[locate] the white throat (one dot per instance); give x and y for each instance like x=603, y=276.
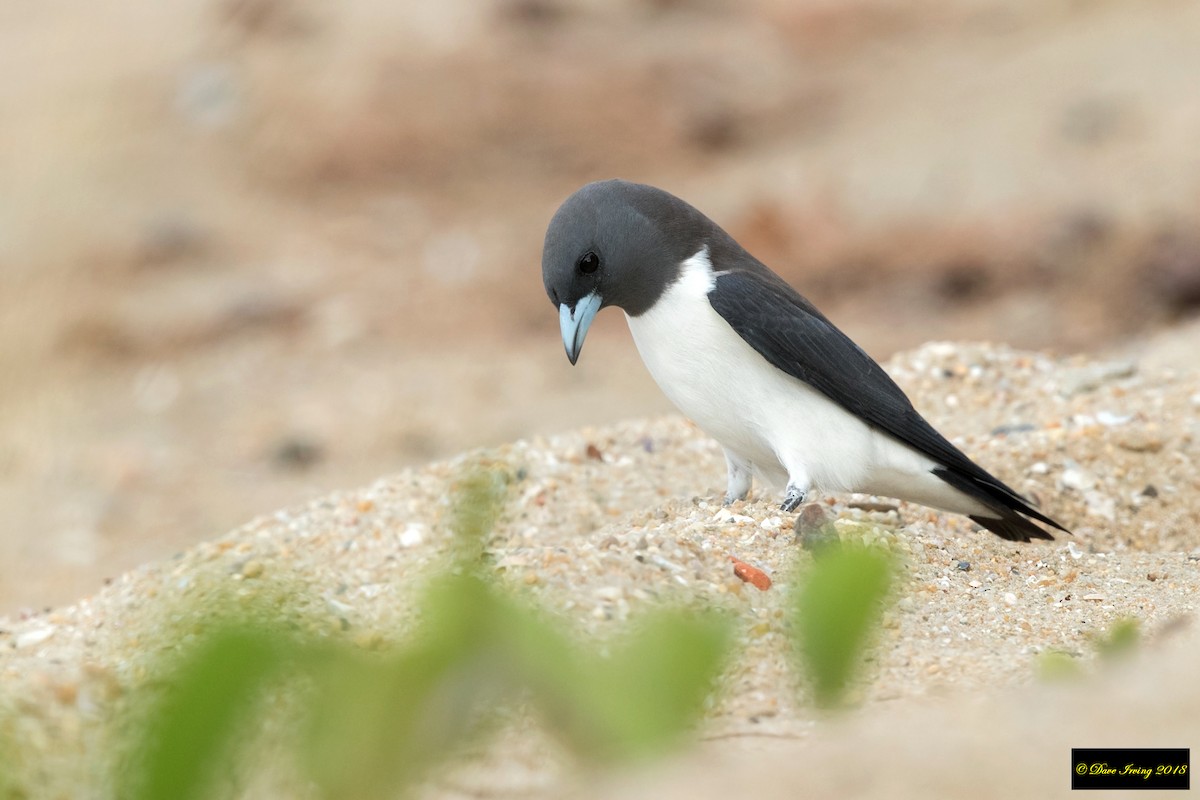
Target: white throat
x=696, y=277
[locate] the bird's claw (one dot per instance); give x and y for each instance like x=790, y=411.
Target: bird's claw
x=793, y=498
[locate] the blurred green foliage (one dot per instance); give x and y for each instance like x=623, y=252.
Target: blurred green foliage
x=1057, y=665
x=377, y=723
x=7, y=787
x=839, y=605
x=1119, y=640
x=367, y=724
x=374, y=724
x=189, y=734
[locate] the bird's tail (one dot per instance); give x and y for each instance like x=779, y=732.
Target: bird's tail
x=1013, y=517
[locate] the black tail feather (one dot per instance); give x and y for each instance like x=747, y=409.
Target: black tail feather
x=1011, y=509
x=1013, y=527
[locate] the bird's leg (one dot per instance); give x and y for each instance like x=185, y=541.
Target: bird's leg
x=740, y=477
x=793, y=497
x=797, y=489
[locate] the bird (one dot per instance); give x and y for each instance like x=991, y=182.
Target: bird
x=789, y=397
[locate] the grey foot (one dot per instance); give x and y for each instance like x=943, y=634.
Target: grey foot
x=793, y=498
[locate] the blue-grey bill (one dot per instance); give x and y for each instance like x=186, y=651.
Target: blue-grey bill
x=575, y=323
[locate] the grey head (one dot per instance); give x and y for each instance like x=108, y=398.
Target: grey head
x=616, y=243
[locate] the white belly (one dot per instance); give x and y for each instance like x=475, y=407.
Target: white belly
x=777, y=423
x=786, y=429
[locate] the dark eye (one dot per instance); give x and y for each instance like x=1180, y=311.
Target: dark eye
x=589, y=262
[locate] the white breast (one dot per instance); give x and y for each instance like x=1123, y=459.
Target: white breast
x=784, y=427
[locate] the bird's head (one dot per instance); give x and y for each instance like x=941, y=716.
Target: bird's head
x=614, y=243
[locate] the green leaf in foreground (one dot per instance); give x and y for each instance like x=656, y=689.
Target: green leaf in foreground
x=376, y=727
x=189, y=731
x=641, y=699
x=1120, y=640
x=646, y=695
x=478, y=500
x=8, y=784
x=838, y=607
x=1056, y=665
x=381, y=724
x=376, y=724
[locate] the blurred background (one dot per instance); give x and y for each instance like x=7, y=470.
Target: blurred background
x=255, y=250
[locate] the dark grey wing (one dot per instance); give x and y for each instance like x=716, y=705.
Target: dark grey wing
x=795, y=337
x=792, y=335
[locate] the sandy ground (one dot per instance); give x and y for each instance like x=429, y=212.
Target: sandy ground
x=256, y=250
x=602, y=521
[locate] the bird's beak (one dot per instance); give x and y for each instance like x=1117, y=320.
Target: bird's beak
x=575, y=323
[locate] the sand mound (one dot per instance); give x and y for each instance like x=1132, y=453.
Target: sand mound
x=603, y=522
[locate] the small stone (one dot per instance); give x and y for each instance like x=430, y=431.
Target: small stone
x=1111, y=420
x=751, y=574
x=34, y=636
x=1093, y=376
x=1074, y=551
x=871, y=505
x=815, y=532
x=414, y=534
x=965, y=566
x=609, y=593
x=338, y=607
x=1011, y=428
x=1140, y=440
x=1010, y=599
x=1150, y=491
x=1094, y=597
x=1077, y=479
x=252, y=569
x=1100, y=505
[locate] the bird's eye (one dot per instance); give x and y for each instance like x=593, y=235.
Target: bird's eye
x=589, y=262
